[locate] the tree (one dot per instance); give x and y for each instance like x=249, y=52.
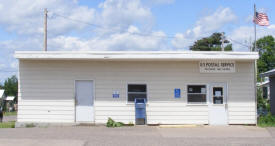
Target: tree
x=11, y=87
x=211, y=43
x=266, y=48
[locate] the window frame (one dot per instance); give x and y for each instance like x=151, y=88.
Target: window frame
x=206, y=94
x=127, y=93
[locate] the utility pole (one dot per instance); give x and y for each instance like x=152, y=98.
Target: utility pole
x=45, y=28
x=222, y=41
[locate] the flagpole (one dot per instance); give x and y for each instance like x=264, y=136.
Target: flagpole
x=255, y=67
x=255, y=48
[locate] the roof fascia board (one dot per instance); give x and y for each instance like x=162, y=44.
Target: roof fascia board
x=125, y=55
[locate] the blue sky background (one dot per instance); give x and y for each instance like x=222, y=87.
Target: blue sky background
x=139, y=25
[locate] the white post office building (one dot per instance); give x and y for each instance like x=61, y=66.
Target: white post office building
x=215, y=88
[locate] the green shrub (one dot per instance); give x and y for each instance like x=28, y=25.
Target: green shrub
x=130, y=124
x=112, y=123
x=30, y=125
x=263, y=105
x=267, y=120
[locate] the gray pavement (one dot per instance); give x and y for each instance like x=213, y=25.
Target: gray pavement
x=9, y=118
x=139, y=135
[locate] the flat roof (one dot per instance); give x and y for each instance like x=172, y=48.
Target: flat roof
x=263, y=83
x=135, y=55
x=268, y=73
x=10, y=98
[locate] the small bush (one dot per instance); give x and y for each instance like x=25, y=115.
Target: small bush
x=112, y=123
x=263, y=105
x=131, y=124
x=267, y=120
x=31, y=125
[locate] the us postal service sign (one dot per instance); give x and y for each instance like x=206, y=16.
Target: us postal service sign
x=217, y=66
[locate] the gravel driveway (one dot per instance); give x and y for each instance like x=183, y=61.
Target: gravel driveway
x=139, y=135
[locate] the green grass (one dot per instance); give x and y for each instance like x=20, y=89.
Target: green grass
x=266, y=124
x=10, y=113
x=266, y=121
x=7, y=124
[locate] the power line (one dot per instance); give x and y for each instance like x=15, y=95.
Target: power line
x=80, y=21
x=98, y=26
x=239, y=43
x=135, y=33
x=7, y=71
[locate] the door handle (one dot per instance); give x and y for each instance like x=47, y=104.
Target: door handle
x=76, y=102
x=226, y=106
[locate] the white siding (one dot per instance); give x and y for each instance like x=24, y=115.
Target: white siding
x=176, y=113
x=119, y=111
x=242, y=113
x=46, y=91
x=157, y=113
x=45, y=111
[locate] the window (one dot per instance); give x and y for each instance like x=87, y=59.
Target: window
x=265, y=92
x=196, y=94
x=217, y=95
x=136, y=91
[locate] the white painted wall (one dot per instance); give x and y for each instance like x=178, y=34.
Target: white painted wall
x=46, y=91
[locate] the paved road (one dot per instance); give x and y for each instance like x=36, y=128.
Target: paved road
x=139, y=135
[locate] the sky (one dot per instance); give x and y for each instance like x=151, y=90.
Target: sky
x=139, y=25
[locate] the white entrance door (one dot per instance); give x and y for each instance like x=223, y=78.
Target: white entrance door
x=84, y=101
x=218, y=104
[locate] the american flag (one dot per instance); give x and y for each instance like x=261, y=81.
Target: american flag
x=261, y=19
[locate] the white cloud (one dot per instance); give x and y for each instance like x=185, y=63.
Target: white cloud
x=181, y=42
x=119, y=20
x=213, y=22
x=249, y=19
x=2, y=66
x=157, y=2
x=244, y=34
x=204, y=27
x=14, y=64
x=26, y=16
x=68, y=43
x=120, y=14
x=130, y=40
x=113, y=17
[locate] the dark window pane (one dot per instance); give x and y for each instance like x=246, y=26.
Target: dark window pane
x=197, y=98
x=218, y=100
x=217, y=91
x=265, y=92
x=132, y=96
x=136, y=88
x=196, y=88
